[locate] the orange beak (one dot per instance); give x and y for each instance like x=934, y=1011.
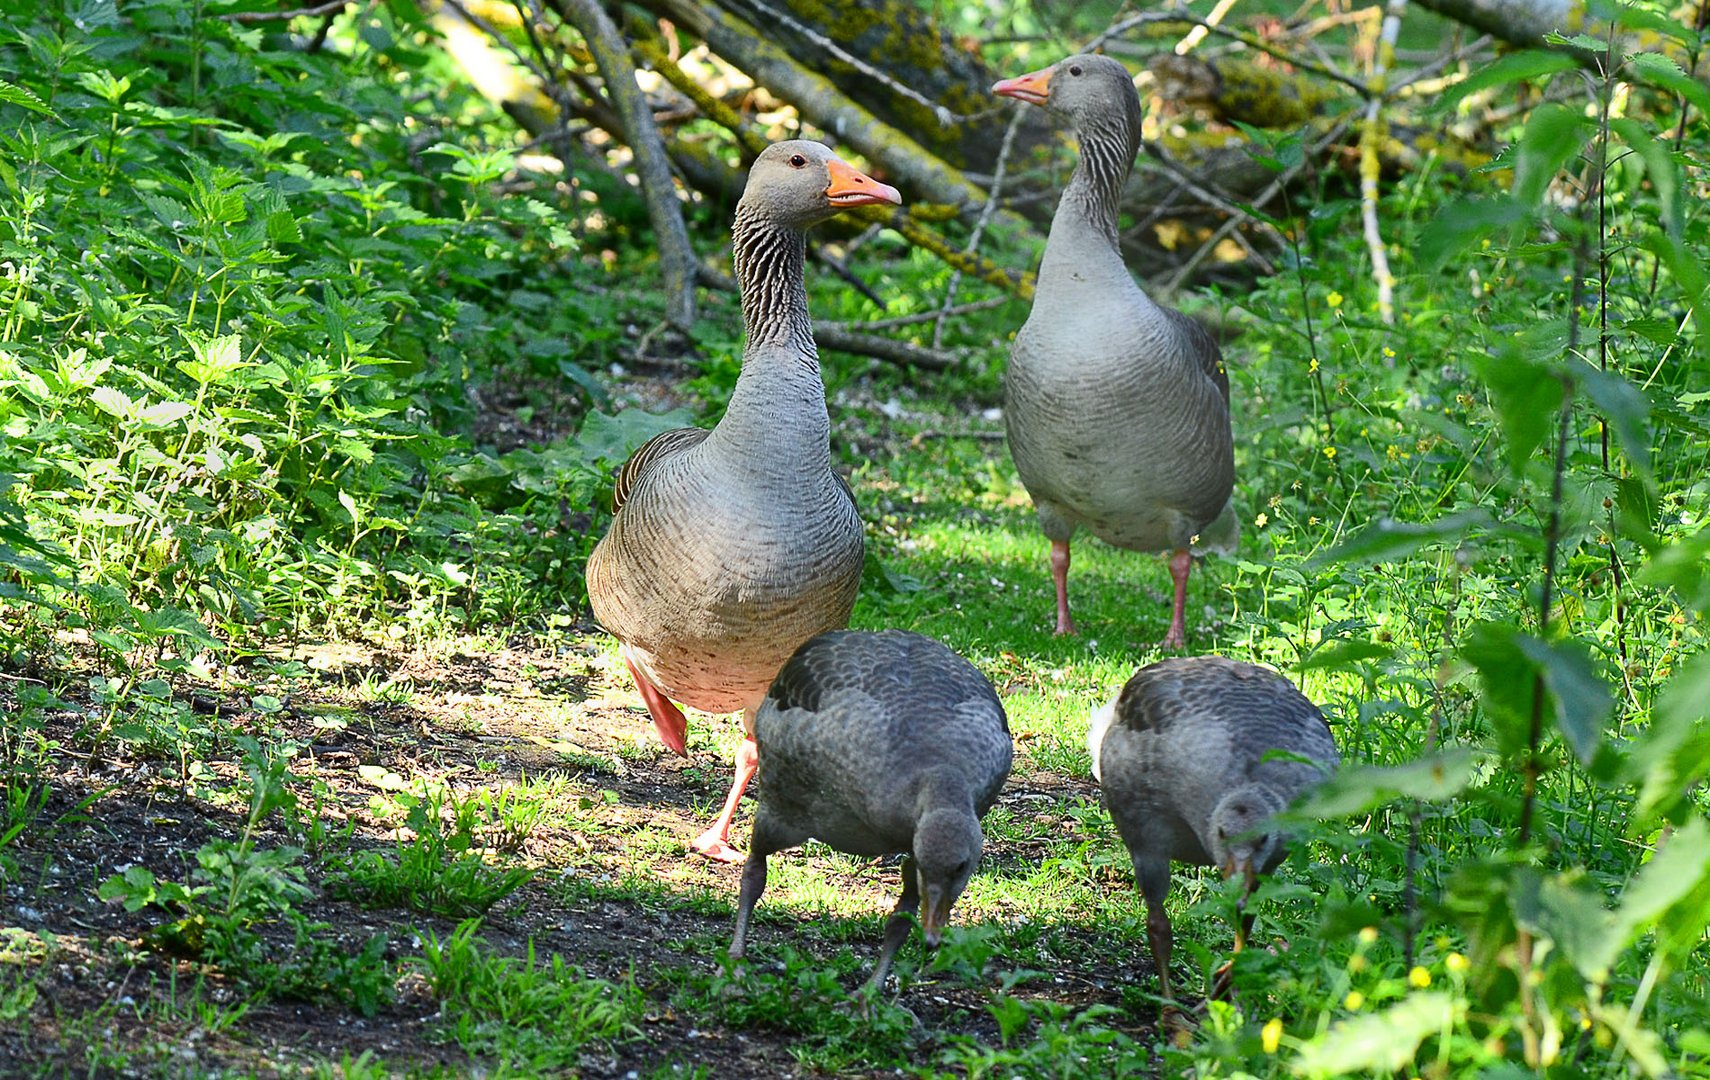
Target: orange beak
x=1034, y=87
x=852, y=187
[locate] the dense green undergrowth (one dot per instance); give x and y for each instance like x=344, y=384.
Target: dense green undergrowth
x=246, y=288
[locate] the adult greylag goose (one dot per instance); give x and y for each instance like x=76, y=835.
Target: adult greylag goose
x=1117, y=408
x=879, y=743
x=728, y=548
x=1179, y=754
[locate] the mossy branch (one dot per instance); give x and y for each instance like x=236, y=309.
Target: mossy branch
x=972, y=264
x=611, y=55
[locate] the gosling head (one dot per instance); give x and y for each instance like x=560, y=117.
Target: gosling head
x=1243, y=842
x=947, y=847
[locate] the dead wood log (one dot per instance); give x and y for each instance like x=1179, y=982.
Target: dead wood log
x=972, y=264
x=611, y=55
x=893, y=58
x=823, y=104
x=880, y=347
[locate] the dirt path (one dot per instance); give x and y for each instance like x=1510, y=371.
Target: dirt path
x=613, y=892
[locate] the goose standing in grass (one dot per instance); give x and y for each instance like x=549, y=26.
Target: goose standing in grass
x=729, y=548
x=1117, y=408
x=1180, y=756
x=879, y=743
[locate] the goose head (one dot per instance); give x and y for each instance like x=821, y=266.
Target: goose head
x=1089, y=89
x=799, y=183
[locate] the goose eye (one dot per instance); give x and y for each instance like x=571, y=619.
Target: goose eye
x=797, y=161
x=1075, y=70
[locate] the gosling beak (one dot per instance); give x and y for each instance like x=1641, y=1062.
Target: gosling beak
x=1033, y=87
x=934, y=914
x=1250, y=878
x=852, y=187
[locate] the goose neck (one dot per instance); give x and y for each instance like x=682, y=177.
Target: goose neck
x=1095, y=190
x=769, y=261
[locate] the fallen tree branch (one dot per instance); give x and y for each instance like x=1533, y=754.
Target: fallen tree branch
x=283, y=16
x=676, y=256
x=820, y=102
x=924, y=316
x=971, y=263
x=832, y=336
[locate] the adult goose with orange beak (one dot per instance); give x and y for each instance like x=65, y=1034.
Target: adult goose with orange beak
x=730, y=547
x=1117, y=408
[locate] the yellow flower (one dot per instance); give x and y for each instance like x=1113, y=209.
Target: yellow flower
x=1270, y=1036
x=1389, y=353
x=1419, y=977
x=1354, y=1000
x=1313, y=520
x=1455, y=962
x=1262, y=520
x=1312, y=367
x=1330, y=452
x=1368, y=935
x=1334, y=299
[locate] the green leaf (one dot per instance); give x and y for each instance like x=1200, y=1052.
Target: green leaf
x=112, y=401
x=1513, y=68
x=1673, y=754
x=1357, y=789
x=1527, y=395
x=1554, y=135
x=1660, y=168
x=1344, y=653
x=614, y=438
x=164, y=413
x=18, y=94
x=1683, y=566
x=1387, y=539
x=1661, y=71
x=1686, y=267
x=1381, y=1041
x=1582, y=700
x=1625, y=408
x=1680, y=868
x=1567, y=910
x=1508, y=678
x=1461, y=225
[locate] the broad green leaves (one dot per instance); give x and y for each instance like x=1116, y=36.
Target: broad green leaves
x=1515, y=667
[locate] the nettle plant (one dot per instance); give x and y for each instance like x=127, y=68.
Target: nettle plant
x=239, y=282
x=1550, y=849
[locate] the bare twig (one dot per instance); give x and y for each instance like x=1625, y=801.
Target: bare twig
x=940, y=112
x=973, y=245
x=841, y=269
x=925, y=316
x=283, y=16
x=1251, y=42
x=652, y=164
x=1276, y=186
x=1372, y=132
x=882, y=348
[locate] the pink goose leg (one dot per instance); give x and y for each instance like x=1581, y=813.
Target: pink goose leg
x=715, y=842
x=1060, y=578
x=668, y=720
x=1181, y=563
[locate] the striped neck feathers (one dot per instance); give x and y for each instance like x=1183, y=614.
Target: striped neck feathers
x=1108, y=143
x=769, y=261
